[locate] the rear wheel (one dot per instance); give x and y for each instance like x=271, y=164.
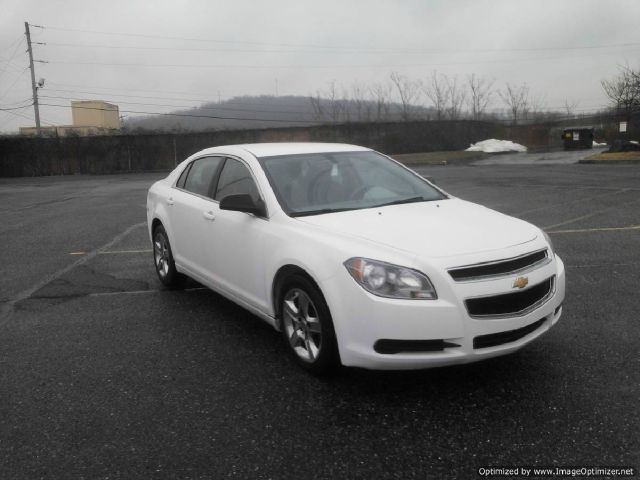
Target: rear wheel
x=163, y=260
x=307, y=326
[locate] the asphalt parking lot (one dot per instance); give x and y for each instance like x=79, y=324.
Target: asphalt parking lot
x=104, y=374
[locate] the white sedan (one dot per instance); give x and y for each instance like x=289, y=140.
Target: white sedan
x=355, y=258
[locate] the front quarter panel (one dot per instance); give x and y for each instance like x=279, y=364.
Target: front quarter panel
x=321, y=255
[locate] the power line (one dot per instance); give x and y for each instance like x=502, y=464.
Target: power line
x=15, y=50
x=8, y=62
x=17, y=40
x=120, y=89
x=14, y=69
x=351, y=48
x=187, y=115
x=592, y=49
x=15, y=108
x=242, y=119
x=188, y=106
x=15, y=103
x=140, y=35
x=11, y=115
x=200, y=101
x=14, y=82
x=241, y=103
x=18, y=114
x=213, y=50
x=206, y=99
x=350, y=65
x=547, y=108
x=345, y=51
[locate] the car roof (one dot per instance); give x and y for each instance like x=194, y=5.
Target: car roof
x=288, y=148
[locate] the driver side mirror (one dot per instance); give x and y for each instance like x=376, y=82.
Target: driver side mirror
x=243, y=203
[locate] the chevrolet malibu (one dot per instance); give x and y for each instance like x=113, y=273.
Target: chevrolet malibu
x=355, y=258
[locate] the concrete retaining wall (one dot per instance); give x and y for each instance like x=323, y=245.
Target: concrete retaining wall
x=26, y=156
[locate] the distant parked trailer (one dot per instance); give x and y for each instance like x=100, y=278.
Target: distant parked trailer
x=577, y=137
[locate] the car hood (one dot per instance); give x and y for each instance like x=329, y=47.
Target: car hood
x=434, y=229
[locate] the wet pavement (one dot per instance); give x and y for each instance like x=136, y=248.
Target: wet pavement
x=105, y=374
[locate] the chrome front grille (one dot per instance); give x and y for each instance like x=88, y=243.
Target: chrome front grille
x=500, y=268
x=512, y=304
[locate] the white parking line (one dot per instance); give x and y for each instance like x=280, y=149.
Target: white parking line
x=589, y=230
x=138, y=292
x=112, y=252
x=604, y=265
x=574, y=220
x=578, y=200
x=589, y=215
x=7, y=308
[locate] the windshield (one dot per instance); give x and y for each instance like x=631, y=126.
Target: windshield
x=311, y=184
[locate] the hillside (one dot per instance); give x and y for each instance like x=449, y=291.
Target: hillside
x=267, y=111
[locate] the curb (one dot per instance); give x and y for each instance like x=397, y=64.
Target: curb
x=437, y=162
x=635, y=161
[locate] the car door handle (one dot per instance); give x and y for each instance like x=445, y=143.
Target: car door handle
x=170, y=201
x=209, y=216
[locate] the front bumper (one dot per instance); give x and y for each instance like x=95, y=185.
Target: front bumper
x=362, y=319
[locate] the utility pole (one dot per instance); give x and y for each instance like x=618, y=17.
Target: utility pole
x=34, y=87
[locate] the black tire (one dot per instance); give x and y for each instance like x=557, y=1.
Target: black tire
x=163, y=260
x=310, y=336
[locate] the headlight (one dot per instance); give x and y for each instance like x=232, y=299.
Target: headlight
x=546, y=236
x=387, y=280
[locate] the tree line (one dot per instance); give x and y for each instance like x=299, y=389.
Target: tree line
x=436, y=97
x=623, y=91
x=398, y=98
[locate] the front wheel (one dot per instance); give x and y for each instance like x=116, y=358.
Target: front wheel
x=163, y=260
x=307, y=326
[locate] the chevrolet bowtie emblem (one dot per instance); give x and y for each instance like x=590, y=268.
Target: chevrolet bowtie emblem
x=520, y=282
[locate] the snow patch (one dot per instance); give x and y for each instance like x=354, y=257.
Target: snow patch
x=596, y=144
x=496, y=146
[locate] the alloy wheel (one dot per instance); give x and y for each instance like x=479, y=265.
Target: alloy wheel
x=161, y=254
x=302, y=325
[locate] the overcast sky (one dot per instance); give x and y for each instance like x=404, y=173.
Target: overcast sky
x=162, y=55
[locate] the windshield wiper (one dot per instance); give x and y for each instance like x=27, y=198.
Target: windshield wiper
x=404, y=200
x=333, y=210
x=320, y=211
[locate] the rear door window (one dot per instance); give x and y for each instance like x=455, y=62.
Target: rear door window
x=183, y=176
x=200, y=176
